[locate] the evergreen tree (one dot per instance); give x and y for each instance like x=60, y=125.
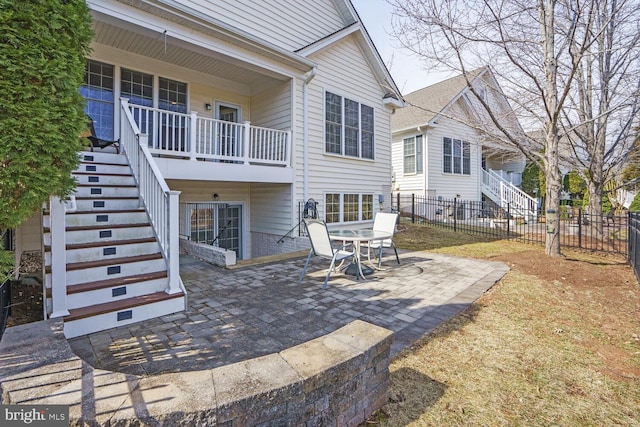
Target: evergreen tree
x=43, y=48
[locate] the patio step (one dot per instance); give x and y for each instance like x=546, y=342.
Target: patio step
x=83, y=294
x=81, y=252
x=99, y=317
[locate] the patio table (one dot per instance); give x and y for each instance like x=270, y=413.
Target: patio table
x=357, y=236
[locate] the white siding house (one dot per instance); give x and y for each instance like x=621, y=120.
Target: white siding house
x=442, y=145
x=229, y=116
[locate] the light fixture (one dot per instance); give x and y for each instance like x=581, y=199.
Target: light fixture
x=216, y=196
x=207, y=106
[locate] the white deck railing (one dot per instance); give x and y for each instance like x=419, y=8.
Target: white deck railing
x=194, y=137
x=159, y=201
x=505, y=193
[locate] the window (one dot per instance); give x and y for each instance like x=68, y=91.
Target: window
x=348, y=207
x=456, y=156
x=412, y=148
x=137, y=86
x=97, y=90
x=349, y=127
x=173, y=96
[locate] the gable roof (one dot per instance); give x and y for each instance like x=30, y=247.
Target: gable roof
x=423, y=105
x=355, y=26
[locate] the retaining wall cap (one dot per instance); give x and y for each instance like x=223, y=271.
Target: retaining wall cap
x=37, y=366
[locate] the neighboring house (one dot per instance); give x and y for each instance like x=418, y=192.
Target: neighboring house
x=442, y=145
x=244, y=110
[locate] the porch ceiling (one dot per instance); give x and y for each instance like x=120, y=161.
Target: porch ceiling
x=183, y=54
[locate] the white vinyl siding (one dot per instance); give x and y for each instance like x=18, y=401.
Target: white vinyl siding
x=344, y=71
x=291, y=25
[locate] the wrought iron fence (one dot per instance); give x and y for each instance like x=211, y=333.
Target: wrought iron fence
x=634, y=240
x=604, y=233
x=5, y=288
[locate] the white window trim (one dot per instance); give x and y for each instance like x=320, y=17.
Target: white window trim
x=341, y=199
x=416, y=155
x=342, y=127
x=452, y=173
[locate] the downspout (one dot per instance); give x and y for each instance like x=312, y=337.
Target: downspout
x=305, y=134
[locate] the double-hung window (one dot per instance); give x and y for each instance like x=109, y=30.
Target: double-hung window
x=349, y=127
x=456, y=158
x=412, y=154
x=348, y=207
x=98, y=91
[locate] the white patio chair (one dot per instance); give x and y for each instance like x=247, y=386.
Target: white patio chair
x=321, y=246
x=383, y=222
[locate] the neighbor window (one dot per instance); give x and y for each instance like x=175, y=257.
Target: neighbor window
x=456, y=156
x=412, y=148
x=348, y=207
x=349, y=127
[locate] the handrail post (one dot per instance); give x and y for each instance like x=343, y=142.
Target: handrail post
x=58, y=258
x=579, y=227
x=455, y=214
x=245, y=141
x=193, y=126
x=289, y=147
x=174, y=242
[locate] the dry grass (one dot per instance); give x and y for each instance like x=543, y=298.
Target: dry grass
x=531, y=352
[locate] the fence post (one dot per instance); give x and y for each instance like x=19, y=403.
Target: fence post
x=413, y=208
x=398, y=202
x=508, y=220
x=455, y=214
x=580, y=227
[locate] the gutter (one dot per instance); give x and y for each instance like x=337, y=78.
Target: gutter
x=305, y=132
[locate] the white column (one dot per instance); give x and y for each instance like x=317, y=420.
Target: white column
x=58, y=259
x=173, y=254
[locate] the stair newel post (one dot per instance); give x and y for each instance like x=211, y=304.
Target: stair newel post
x=193, y=126
x=455, y=214
x=173, y=246
x=58, y=258
x=246, y=141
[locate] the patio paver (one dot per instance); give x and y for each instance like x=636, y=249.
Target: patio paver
x=239, y=314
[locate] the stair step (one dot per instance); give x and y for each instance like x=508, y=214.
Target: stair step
x=110, y=283
x=101, y=157
x=98, y=218
x=113, y=306
x=112, y=261
x=98, y=179
x=103, y=169
x=111, y=243
x=102, y=191
x=101, y=204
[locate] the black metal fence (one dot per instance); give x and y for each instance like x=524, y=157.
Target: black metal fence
x=604, y=233
x=5, y=288
x=634, y=241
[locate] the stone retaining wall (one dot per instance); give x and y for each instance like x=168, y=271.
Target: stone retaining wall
x=336, y=380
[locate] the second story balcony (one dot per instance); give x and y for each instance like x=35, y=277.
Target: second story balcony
x=190, y=146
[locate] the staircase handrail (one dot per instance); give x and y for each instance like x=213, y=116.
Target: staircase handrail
x=508, y=193
x=160, y=202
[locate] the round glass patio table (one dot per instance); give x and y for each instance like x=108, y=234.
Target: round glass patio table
x=357, y=236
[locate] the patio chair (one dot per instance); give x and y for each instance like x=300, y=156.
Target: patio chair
x=384, y=222
x=97, y=142
x=321, y=246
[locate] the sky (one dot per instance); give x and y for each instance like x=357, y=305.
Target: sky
x=406, y=69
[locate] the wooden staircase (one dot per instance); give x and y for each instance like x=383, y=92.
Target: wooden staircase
x=115, y=271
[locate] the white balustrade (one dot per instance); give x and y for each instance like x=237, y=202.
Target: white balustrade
x=194, y=137
x=158, y=200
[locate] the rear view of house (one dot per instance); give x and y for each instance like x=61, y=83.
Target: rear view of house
x=228, y=117
x=445, y=146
